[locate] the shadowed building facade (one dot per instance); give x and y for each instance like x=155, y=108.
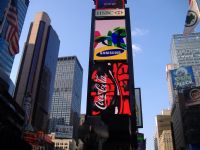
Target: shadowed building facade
x=12, y=15
x=185, y=53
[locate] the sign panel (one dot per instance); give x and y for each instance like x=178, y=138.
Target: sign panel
x=109, y=90
x=111, y=12
x=109, y=4
x=110, y=40
x=183, y=77
x=64, y=131
x=192, y=96
x=138, y=108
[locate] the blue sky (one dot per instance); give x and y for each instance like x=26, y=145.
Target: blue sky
x=153, y=22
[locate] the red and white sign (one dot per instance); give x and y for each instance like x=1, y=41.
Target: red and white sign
x=111, y=12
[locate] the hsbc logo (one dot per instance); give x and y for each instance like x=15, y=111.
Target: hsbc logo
x=112, y=12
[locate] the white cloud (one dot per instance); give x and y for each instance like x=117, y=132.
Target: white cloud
x=136, y=49
x=139, y=32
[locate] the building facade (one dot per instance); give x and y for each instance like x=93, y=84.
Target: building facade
x=66, y=102
x=63, y=144
x=165, y=141
x=185, y=53
x=17, y=10
x=164, y=131
x=12, y=15
x=36, y=76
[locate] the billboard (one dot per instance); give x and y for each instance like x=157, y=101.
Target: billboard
x=110, y=40
x=64, y=131
x=109, y=89
x=192, y=96
x=110, y=4
x=182, y=77
x=138, y=108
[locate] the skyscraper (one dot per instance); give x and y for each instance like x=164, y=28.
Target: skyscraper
x=36, y=76
x=66, y=102
x=12, y=15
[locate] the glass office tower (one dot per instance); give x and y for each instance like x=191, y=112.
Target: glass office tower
x=6, y=59
x=66, y=102
x=34, y=88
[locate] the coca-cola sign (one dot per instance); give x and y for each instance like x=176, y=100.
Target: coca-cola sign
x=110, y=88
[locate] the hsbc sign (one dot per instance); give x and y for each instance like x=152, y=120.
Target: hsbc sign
x=111, y=12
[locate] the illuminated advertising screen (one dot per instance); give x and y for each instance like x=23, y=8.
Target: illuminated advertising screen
x=192, y=96
x=109, y=89
x=138, y=108
x=109, y=4
x=110, y=40
x=183, y=77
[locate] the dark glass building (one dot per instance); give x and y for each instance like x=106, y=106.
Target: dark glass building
x=36, y=76
x=66, y=102
x=12, y=15
x=6, y=59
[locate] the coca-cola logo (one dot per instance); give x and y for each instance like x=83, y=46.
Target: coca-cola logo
x=101, y=103
x=195, y=94
x=100, y=86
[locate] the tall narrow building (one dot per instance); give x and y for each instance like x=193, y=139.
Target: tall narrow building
x=12, y=15
x=34, y=88
x=66, y=102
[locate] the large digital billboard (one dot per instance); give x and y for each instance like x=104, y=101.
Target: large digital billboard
x=109, y=89
x=192, y=96
x=182, y=78
x=110, y=40
x=138, y=108
x=110, y=4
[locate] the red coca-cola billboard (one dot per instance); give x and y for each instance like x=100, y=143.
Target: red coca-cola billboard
x=109, y=88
